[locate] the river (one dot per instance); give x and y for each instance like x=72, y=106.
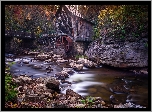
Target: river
x=101, y=82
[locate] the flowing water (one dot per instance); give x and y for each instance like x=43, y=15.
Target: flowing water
x=98, y=82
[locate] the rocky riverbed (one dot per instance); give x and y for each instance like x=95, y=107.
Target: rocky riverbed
x=45, y=92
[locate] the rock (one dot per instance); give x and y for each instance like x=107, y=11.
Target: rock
x=26, y=61
x=72, y=93
x=49, y=68
x=43, y=56
x=37, y=66
x=81, y=61
x=61, y=61
x=64, y=81
x=76, y=66
x=68, y=70
x=144, y=72
x=33, y=53
x=20, y=97
x=126, y=55
x=56, y=56
x=9, y=60
x=33, y=98
x=79, y=105
x=9, y=55
x=114, y=100
x=48, y=60
x=62, y=75
x=103, y=103
x=21, y=80
x=86, y=63
x=53, y=84
x=90, y=64
x=119, y=89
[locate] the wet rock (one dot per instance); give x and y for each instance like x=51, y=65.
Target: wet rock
x=144, y=72
x=90, y=64
x=65, y=85
x=81, y=60
x=119, y=89
x=9, y=60
x=62, y=75
x=87, y=63
x=114, y=100
x=26, y=61
x=76, y=66
x=61, y=61
x=48, y=60
x=68, y=70
x=56, y=56
x=53, y=84
x=37, y=66
x=49, y=68
x=64, y=81
x=9, y=55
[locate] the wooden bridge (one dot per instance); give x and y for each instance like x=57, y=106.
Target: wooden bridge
x=20, y=34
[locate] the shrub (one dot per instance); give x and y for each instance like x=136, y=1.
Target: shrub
x=10, y=92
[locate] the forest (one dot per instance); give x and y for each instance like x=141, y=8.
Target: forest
x=76, y=56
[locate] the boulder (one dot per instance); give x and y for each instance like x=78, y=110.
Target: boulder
x=62, y=75
x=53, y=85
x=76, y=66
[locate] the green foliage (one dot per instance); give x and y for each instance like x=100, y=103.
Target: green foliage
x=83, y=101
x=89, y=99
x=11, y=63
x=10, y=92
x=96, y=33
x=80, y=56
x=146, y=44
x=122, y=20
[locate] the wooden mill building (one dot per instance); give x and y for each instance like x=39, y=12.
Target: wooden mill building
x=77, y=32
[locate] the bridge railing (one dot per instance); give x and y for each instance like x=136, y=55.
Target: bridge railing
x=21, y=34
